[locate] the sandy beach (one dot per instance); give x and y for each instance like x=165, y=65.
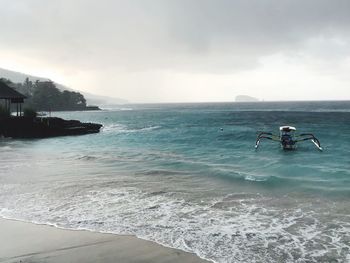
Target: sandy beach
x=26, y=242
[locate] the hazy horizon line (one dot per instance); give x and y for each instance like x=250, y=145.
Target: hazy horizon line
x=219, y=102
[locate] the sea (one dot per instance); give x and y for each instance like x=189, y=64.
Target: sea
x=187, y=176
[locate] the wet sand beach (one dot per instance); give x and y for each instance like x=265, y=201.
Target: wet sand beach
x=26, y=242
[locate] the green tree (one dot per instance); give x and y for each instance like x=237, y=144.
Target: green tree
x=46, y=96
x=28, y=87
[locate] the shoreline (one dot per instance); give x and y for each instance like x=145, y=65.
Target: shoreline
x=29, y=242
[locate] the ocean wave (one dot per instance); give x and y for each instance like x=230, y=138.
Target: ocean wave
x=111, y=109
x=119, y=128
x=161, y=172
x=255, y=179
x=125, y=109
x=240, y=227
x=5, y=148
x=87, y=157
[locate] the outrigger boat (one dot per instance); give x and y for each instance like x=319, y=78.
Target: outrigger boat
x=287, y=138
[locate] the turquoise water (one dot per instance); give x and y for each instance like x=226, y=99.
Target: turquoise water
x=187, y=176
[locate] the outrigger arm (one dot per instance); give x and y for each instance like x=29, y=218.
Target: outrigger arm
x=266, y=135
x=311, y=137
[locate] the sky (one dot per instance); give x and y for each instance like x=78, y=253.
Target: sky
x=183, y=50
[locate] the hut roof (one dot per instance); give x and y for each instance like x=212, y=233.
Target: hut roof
x=6, y=92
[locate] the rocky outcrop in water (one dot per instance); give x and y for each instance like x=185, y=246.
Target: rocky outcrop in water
x=27, y=127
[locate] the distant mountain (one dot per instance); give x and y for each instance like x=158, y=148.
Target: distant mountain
x=99, y=100
x=92, y=99
x=245, y=98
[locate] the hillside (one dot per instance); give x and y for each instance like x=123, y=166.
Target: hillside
x=91, y=99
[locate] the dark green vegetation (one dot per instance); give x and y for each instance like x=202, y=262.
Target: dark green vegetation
x=28, y=112
x=45, y=96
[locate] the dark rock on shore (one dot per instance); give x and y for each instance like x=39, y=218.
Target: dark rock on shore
x=27, y=127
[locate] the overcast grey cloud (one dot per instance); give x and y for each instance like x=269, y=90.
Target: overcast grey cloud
x=165, y=50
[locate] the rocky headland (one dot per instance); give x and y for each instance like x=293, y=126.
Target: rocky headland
x=28, y=127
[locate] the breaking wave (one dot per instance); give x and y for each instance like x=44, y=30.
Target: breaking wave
x=119, y=128
x=238, y=227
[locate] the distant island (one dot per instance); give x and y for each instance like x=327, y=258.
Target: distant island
x=245, y=98
x=45, y=96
